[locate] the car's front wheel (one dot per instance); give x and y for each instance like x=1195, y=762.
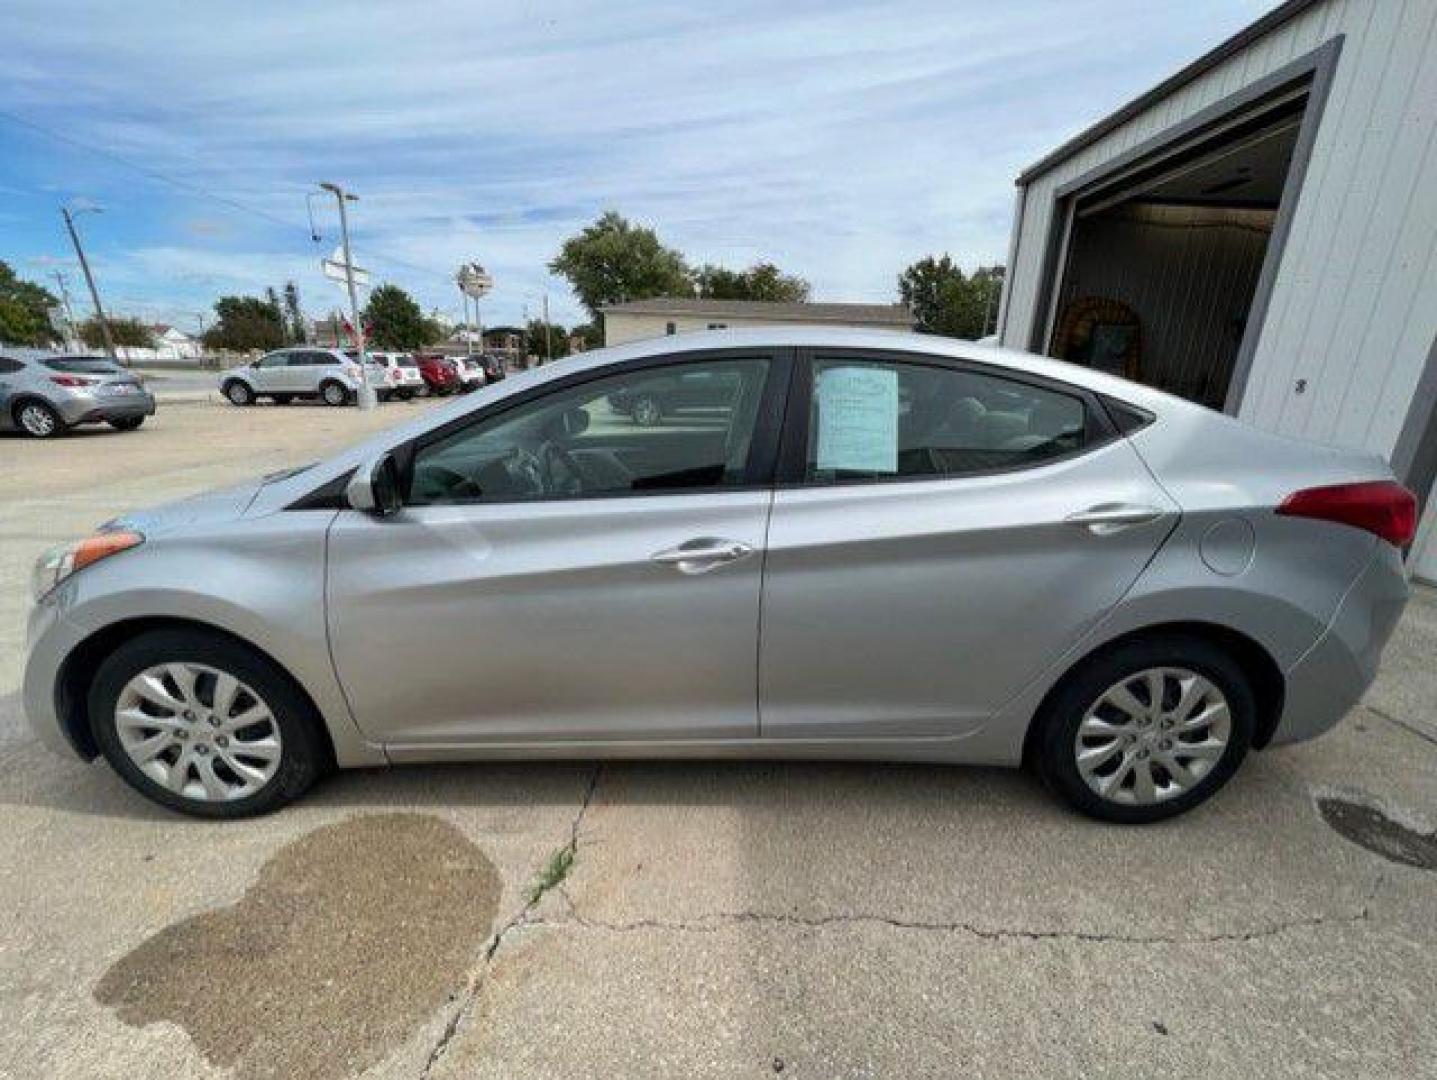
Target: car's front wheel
x=204, y=724
x=1146, y=730
x=38, y=420
x=238, y=393
x=334, y=393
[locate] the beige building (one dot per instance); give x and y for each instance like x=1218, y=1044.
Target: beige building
x=640, y=319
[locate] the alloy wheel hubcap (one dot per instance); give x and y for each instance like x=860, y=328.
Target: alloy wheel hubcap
x=36, y=421
x=198, y=731
x=1152, y=736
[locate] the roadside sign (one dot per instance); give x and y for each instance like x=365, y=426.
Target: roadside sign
x=474, y=281
x=334, y=269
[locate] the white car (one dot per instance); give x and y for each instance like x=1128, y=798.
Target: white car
x=471, y=372
x=300, y=372
x=400, y=378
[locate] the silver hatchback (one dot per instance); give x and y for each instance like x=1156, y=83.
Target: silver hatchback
x=44, y=394
x=850, y=545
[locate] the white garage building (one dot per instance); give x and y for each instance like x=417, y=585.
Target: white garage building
x=1259, y=232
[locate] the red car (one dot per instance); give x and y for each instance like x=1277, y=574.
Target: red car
x=440, y=374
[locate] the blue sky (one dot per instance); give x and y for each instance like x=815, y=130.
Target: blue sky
x=841, y=140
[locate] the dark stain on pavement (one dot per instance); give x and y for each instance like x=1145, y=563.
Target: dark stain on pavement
x=351, y=937
x=1378, y=833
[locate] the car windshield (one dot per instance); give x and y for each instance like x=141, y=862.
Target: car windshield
x=82, y=365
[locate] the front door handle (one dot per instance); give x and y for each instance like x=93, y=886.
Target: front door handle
x=1106, y=518
x=701, y=555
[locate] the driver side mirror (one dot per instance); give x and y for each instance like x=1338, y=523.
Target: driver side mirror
x=375, y=488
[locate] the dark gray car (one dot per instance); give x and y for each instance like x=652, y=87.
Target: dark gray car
x=45, y=393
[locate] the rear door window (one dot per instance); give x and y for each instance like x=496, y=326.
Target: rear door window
x=879, y=419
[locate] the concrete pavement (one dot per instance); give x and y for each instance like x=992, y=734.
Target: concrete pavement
x=724, y=920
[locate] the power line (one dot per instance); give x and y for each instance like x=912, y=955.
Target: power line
x=197, y=191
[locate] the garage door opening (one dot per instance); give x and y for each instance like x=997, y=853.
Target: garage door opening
x=1162, y=262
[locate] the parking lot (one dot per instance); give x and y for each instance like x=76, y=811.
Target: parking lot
x=665, y=919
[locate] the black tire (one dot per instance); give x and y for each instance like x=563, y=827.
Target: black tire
x=237, y=393
x=404, y=395
x=1055, y=732
x=333, y=393
x=646, y=411
x=37, y=420
x=304, y=752
x=128, y=423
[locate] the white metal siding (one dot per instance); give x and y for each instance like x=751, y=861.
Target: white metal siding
x=1354, y=305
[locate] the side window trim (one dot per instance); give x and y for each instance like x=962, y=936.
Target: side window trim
x=759, y=470
x=793, y=450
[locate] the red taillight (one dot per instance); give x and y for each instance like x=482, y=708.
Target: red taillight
x=1382, y=507
x=72, y=380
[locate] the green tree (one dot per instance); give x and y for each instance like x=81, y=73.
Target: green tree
x=24, y=310
x=128, y=333
x=591, y=333
x=293, y=315
x=392, y=320
x=762, y=281
x=613, y=260
x=946, y=301
x=244, y=323
x=534, y=335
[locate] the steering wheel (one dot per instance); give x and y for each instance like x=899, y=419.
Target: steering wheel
x=561, y=472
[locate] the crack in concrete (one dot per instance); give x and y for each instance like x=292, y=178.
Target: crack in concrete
x=715, y=922
x=1398, y=722
x=468, y=994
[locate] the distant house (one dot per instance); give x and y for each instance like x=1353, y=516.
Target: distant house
x=639, y=319
x=172, y=343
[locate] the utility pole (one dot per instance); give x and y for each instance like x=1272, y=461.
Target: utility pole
x=367, y=398
x=61, y=283
x=468, y=333
x=90, y=281
x=548, y=346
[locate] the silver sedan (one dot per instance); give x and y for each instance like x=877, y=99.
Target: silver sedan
x=845, y=545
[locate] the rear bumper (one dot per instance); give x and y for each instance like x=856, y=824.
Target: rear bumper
x=93, y=410
x=1331, y=677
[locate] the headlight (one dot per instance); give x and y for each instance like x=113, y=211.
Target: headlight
x=59, y=563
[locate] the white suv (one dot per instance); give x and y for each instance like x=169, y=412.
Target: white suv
x=306, y=372
x=401, y=376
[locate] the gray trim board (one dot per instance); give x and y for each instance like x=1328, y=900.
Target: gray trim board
x=1195, y=70
x=1414, y=458
x=1324, y=70
x=1020, y=203
x=1316, y=69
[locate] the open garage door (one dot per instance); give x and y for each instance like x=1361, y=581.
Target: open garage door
x=1161, y=262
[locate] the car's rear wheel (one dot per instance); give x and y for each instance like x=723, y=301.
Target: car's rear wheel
x=205, y=725
x=38, y=420
x=334, y=393
x=1146, y=730
x=127, y=423
x=238, y=393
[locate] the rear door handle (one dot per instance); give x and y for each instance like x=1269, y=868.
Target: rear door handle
x=1108, y=518
x=701, y=555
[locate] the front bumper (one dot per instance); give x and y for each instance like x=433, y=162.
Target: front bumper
x=1331, y=677
x=49, y=638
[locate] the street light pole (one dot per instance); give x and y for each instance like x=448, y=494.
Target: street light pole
x=367, y=398
x=90, y=281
